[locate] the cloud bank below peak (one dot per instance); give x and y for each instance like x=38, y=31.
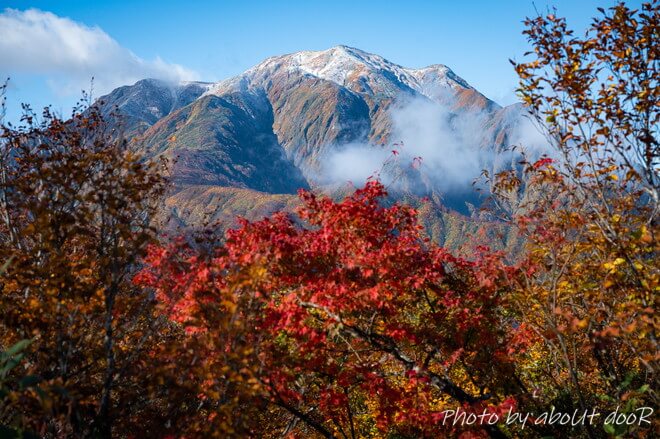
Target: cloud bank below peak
x=69, y=54
x=447, y=150
x=450, y=148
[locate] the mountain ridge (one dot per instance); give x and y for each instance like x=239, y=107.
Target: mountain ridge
x=275, y=127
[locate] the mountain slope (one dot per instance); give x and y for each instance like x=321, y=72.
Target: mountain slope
x=225, y=141
x=149, y=100
x=284, y=123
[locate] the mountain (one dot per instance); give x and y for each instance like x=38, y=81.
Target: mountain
x=149, y=100
x=244, y=145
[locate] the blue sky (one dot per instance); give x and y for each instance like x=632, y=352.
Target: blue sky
x=213, y=40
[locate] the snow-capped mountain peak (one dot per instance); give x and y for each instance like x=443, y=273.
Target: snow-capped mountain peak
x=339, y=63
x=349, y=67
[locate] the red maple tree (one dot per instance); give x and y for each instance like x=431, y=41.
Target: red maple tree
x=345, y=318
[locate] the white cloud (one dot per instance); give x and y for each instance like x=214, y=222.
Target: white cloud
x=450, y=147
x=69, y=54
x=354, y=162
x=454, y=147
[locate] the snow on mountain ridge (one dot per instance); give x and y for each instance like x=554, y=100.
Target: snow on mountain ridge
x=345, y=66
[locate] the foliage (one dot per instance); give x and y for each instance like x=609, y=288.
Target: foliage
x=9, y=360
x=354, y=324
x=344, y=320
x=75, y=209
x=588, y=291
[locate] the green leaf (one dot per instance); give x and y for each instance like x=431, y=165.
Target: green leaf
x=15, y=349
x=10, y=364
x=6, y=265
x=620, y=430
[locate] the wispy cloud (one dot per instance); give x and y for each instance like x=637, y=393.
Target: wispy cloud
x=450, y=147
x=454, y=147
x=70, y=53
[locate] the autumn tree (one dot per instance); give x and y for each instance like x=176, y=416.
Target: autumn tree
x=352, y=325
x=589, y=213
x=76, y=214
